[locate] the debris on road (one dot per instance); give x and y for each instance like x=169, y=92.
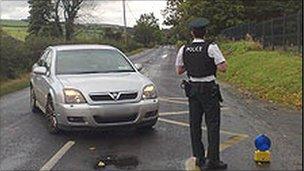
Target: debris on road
x=123, y=162
x=92, y=148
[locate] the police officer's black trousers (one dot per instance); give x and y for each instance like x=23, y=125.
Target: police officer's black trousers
x=204, y=99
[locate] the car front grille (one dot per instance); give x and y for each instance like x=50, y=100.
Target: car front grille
x=115, y=119
x=107, y=97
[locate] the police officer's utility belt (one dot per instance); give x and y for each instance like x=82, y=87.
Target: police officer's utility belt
x=203, y=86
x=202, y=83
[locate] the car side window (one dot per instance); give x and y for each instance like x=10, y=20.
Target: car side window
x=48, y=59
x=41, y=61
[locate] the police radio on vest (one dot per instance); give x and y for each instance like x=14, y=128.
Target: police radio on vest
x=194, y=49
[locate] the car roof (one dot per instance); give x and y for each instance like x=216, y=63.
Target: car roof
x=81, y=46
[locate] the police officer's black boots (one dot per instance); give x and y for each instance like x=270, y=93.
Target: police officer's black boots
x=201, y=164
x=215, y=165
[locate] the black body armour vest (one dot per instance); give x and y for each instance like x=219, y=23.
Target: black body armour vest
x=197, y=61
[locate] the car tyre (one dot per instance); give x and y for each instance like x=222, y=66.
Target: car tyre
x=33, y=102
x=52, y=124
x=148, y=127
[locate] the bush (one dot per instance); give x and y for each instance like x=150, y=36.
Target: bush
x=241, y=47
x=18, y=57
x=180, y=43
x=12, y=57
x=36, y=46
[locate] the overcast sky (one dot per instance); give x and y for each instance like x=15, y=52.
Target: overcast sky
x=104, y=11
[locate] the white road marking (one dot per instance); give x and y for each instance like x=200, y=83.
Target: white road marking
x=182, y=101
x=51, y=163
x=173, y=122
x=203, y=128
x=173, y=113
x=172, y=101
x=179, y=99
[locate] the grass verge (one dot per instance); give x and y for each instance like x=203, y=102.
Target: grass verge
x=272, y=75
x=8, y=86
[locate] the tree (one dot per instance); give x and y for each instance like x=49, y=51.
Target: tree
x=146, y=30
x=70, y=11
x=221, y=13
x=55, y=15
x=260, y=10
x=113, y=33
x=40, y=15
x=224, y=13
x=45, y=17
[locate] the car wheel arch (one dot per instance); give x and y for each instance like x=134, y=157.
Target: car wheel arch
x=51, y=95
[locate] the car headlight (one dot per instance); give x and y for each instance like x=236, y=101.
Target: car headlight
x=73, y=96
x=149, y=92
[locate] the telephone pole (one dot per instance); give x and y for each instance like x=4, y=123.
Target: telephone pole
x=125, y=20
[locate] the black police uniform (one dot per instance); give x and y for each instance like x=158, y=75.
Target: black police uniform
x=204, y=98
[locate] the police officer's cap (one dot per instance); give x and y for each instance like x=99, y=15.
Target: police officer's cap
x=198, y=23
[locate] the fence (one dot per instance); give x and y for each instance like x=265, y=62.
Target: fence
x=283, y=32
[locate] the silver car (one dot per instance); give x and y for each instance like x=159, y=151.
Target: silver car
x=91, y=86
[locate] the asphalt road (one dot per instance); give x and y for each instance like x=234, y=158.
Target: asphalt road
x=26, y=144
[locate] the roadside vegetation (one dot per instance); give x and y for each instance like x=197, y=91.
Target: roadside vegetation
x=223, y=14
x=272, y=75
x=11, y=85
x=23, y=42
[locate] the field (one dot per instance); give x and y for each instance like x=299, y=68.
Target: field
x=19, y=33
x=15, y=28
x=14, y=23
x=271, y=75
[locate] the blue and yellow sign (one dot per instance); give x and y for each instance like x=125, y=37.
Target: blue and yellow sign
x=262, y=144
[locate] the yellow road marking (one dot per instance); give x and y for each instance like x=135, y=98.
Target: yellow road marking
x=190, y=164
x=234, y=139
x=51, y=163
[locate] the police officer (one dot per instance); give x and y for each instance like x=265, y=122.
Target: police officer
x=200, y=60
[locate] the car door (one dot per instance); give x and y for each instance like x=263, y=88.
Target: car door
x=38, y=79
x=46, y=79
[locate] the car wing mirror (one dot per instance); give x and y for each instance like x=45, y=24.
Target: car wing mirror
x=40, y=70
x=139, y=67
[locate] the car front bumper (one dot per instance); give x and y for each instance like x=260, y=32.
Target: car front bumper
x=107, y=115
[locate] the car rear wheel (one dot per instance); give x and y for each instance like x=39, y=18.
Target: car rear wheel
x=52, y=124
x=33, y=101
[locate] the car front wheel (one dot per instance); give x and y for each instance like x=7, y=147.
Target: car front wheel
x=33, y=101
x=148, y=126
x=51, y=118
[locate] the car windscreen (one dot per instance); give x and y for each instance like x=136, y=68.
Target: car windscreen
x=88, y=61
